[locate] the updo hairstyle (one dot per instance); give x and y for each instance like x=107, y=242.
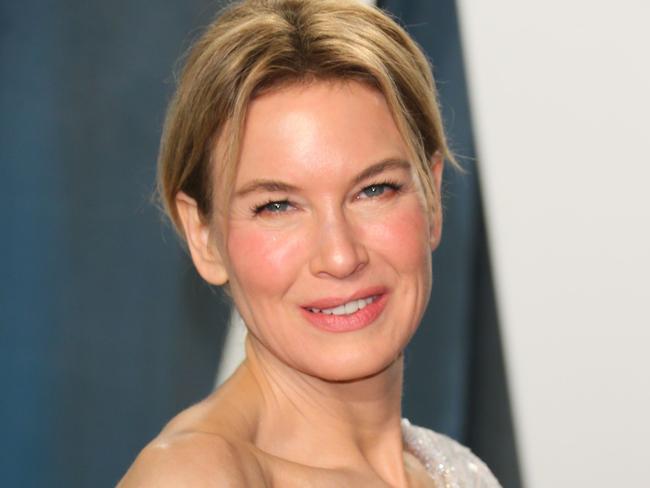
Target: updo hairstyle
x=259, y=45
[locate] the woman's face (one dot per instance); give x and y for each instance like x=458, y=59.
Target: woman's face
x=328, y=240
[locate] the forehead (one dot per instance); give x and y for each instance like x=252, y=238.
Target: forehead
x=316, y=129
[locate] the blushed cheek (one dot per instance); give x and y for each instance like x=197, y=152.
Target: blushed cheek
x=403, y=236
x=265, y=259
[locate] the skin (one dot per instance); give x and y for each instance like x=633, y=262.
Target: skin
x=309, y=407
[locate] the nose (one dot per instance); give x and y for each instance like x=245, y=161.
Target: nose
x=339, y=250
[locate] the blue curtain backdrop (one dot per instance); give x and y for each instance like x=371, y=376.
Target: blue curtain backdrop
x=105, y=329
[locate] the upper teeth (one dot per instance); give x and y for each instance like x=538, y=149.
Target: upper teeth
x=346, y=308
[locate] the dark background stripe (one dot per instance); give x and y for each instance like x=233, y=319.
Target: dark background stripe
x=455, y=377
x=105, y=329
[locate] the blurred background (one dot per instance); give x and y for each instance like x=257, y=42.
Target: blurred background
x=533, y=351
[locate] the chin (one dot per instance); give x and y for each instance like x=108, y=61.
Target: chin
x=350, y=366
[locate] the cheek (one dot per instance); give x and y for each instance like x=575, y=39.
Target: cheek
x=403, y=236
x=264, y=259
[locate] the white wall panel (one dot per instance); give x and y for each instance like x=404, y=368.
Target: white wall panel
x=560, y=94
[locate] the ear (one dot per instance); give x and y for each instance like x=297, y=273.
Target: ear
x=205, y=255
x=437, y=165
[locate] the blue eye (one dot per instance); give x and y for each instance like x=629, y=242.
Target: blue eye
x=277, y=206
x=374, y=190
x=378, y=189
x=273, y=207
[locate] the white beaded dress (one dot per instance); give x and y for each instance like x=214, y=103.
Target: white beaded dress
x=450, y=464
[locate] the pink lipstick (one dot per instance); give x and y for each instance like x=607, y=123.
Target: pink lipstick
x=355, y=312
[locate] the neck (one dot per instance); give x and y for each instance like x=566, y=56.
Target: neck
x=359, y=419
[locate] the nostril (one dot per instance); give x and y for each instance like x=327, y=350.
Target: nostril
x=360, y=266
x=341, y=262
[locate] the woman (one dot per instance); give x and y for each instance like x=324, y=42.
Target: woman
x=301, y=162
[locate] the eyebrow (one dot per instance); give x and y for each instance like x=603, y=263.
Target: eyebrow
x=378, y=168
x=277, y=186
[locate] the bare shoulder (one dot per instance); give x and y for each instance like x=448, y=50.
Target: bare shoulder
x=193, y=459
x=205, y=445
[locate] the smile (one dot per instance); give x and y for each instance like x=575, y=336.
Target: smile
x=347, y=314
x=349, y=308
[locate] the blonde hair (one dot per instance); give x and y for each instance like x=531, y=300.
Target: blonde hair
x=256, y=45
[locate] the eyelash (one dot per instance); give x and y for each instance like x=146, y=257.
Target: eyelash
x=392, y=185
x=260, y=208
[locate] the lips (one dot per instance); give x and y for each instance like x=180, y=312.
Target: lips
x=357, y=311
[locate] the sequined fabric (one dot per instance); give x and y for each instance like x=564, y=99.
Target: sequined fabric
x=450, y=464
